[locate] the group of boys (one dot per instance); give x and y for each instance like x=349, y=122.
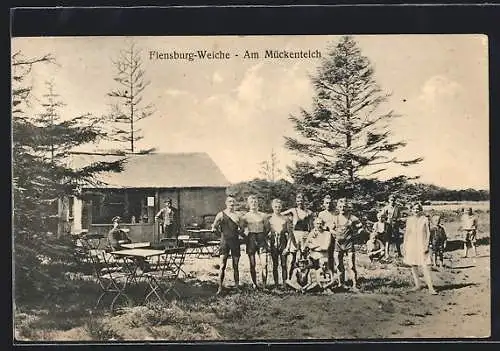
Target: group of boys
x=437, y=239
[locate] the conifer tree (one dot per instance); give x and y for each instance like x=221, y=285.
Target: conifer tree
x=346, y=136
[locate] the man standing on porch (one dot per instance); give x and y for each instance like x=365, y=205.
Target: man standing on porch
x=168, y=220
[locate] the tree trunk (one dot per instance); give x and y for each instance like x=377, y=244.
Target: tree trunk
x=63, y=216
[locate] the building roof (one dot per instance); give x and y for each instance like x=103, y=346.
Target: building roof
x=157, y=170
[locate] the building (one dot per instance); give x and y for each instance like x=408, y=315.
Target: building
x=192, y=181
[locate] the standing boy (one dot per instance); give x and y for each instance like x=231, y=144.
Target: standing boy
x=392, y=212
x=469, y=227
x=228, y=224
x=437, y=241
x=346, y=228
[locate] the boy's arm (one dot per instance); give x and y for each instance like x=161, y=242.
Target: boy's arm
x=216, y=223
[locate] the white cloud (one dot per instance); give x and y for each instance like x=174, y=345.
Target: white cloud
x=217, y=78
x=250, y=89
x=437, y=88
x=175, y=92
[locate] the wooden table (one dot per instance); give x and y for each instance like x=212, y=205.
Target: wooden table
x=140, y=245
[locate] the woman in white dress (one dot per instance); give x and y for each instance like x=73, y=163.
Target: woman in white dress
x=416, y=246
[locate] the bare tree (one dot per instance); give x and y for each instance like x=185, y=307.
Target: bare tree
x=270, y=168
x=129, y=108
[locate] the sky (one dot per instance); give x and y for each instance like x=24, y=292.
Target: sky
x=237, y=110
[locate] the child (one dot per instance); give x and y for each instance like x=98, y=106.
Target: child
x=375, y=248
x=325, y=278
x=300, y=278
x=469, y=227
x=382, y=232
x=437, y=243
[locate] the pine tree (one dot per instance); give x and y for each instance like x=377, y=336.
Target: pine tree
x=345, y=137
x=41, y=146
x=129, y=108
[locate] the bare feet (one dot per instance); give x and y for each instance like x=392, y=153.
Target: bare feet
x=355, y=289
x=219, y=291
x=433, y=292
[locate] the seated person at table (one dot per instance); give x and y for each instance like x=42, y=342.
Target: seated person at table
x=301, y=275
x=117, y=237
x=375, y=247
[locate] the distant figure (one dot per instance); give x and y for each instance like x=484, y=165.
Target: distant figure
x=437, y=241
x=228, y=224
x=392, y=213
x=168, y=220
x=302, y=224
x=281, y=232
x=469, y=228
x=256, y=225
x=416, y=246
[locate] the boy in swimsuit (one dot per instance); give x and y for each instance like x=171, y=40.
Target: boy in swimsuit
x=392, y=212
x=383, y=234
x=228, y=224
x=302, y=224
x=321, y=279
x=281, y=232
x=469, y=228
x=256, y=226
x=346, y=227
x=300, y=276
x=328, y=215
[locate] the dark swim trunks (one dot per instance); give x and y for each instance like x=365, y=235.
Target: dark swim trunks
x=257, y=242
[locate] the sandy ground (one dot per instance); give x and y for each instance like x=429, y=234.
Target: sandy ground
x=385, y=308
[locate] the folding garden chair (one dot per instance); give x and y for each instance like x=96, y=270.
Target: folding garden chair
x=163, y=280
x=111, y=277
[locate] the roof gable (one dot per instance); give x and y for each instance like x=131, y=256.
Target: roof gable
x=158, y=170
